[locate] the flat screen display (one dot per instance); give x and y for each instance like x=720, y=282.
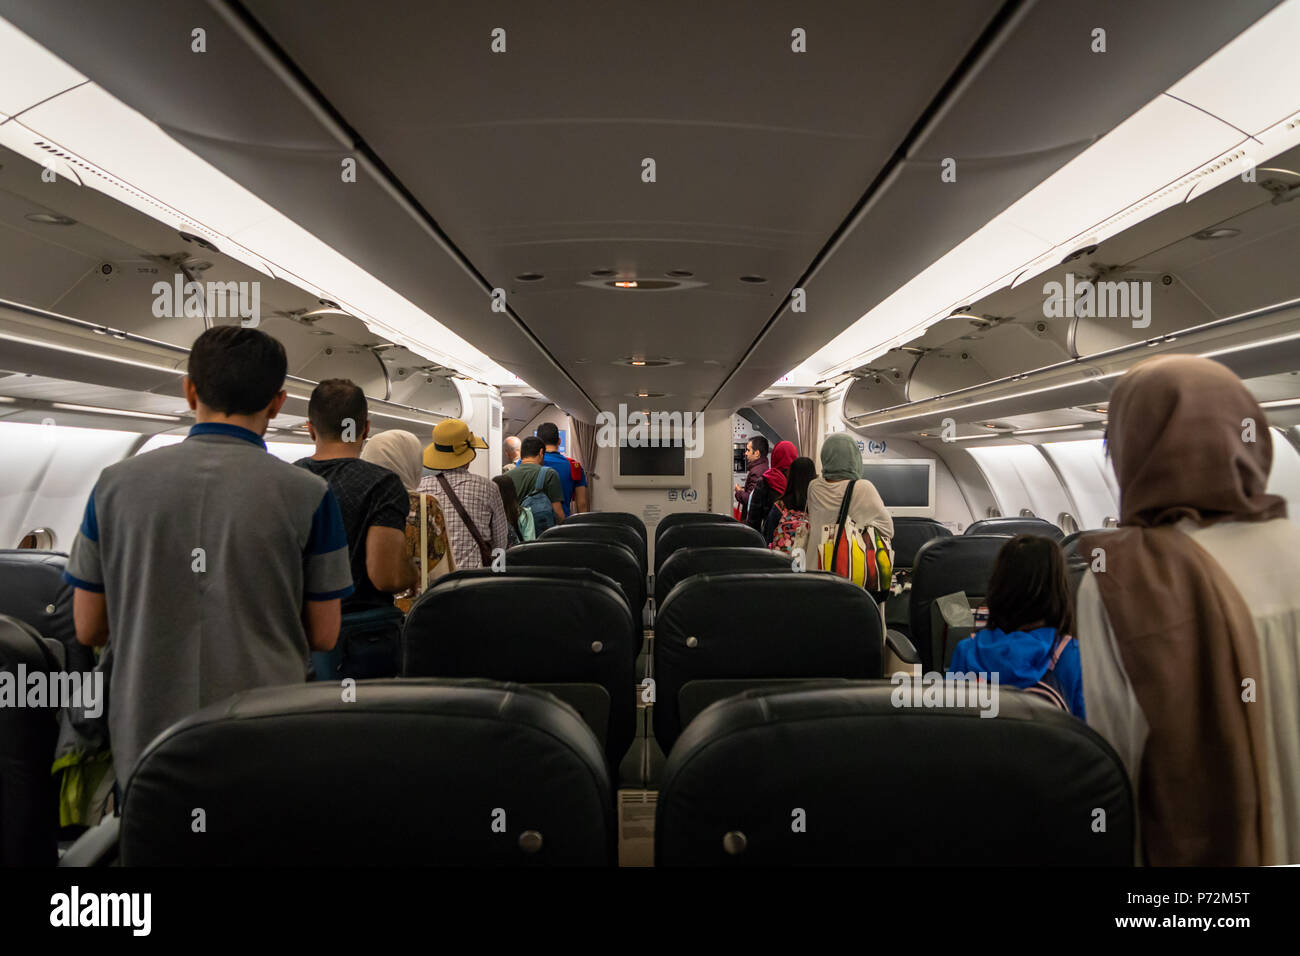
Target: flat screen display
x=644, y=462
x=901, y=485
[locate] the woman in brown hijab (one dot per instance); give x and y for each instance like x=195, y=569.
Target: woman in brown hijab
x=1189, y=621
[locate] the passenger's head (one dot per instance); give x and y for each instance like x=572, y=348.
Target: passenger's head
x=802, y=471
x=756, y=448
x=532, y=449
x=508, y=498
x=236, y=371
x=338, y=412
x=1188, y=440
x=511, y=448
x=399, y=452
x=783, y=454
x=453, y=445
x=1029, y=587
x=841, y=457
x=549, y=434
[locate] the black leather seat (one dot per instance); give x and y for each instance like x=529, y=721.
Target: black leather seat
x=686, y=562
x=1013, y=526
x=677, y=518
x=759, y=627
x=624, y=518
x=570, y=630
x=596, y=531
x=909, y=535
x=615, y=560
x=706, y=534
x=411, y=772
x=1022, y=788
x=32, y=589
x=1078, y=558
x=962, y=562
x=29, y=816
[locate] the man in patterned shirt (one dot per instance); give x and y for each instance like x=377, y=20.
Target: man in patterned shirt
x=471, y=504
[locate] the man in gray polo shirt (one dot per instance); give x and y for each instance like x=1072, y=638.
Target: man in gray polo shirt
x=212, y=566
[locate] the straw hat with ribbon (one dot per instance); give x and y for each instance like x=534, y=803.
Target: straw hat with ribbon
x=453, y=445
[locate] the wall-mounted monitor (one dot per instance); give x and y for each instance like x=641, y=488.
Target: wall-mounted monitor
x=906, y=485
x=665, y=466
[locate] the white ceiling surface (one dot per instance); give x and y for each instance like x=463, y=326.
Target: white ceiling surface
x=530, y=160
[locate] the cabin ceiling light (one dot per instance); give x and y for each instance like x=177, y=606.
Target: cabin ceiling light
x=1135, y=171
x=50, y=219
x=91, y=138
x=1281, y=403
x=1053, y=428
x=112, y=411
x=1219, y=233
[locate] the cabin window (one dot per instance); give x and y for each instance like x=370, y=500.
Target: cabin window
x=42, y=539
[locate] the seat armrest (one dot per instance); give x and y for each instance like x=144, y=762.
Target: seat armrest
x=903, y=649
x=96, y=847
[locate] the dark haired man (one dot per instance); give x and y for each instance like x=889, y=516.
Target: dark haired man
x=212, y=566
x=372, y=498
x=572, y=478
x=756, y=458
x=531, y=476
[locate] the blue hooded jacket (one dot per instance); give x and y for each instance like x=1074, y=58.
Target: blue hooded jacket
x=1020, y=659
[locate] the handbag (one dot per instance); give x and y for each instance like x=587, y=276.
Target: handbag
x=861, y=555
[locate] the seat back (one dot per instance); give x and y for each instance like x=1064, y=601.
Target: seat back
x=667, y=522
x=1013, y=526
x=706, y=534
x=757, y=624
x=609, y=558
x=597, y=531
x=1078, y=559
x=28, y=808
x=786, y=777
x=943, y=566
x=909, y=535
x=420, y=772
x=569, y=626
x=685, y=562
x=623, y=518
x=32, y=589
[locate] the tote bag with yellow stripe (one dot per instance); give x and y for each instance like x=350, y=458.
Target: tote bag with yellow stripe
x=846, y=550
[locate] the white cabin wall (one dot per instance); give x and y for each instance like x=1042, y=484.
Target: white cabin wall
x=711, y=470
x=47, y=473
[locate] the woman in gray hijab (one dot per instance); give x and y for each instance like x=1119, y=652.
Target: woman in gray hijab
x=841, y=463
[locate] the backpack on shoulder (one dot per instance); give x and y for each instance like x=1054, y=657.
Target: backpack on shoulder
x=1049, y=686
x=538, y=505
x=792, y=531
x=858, y=554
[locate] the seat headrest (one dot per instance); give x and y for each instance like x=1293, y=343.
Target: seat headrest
x=454, y=772
x=32, y=589
x=728, y=533
x=20, y=643
x=608, y=557
x=910, y=534
x=595, y=531
x=541, y=623
x=687, y=517
x=961, y=562
x=685, y=562
x=761, y=624
x=1014, y=526
x=624, y=518
x=1027, y=787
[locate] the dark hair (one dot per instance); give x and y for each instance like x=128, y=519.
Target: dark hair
x=531, y=447
x=761, y=445
x=802, y=471
x=548, y=433
x=236, y=370
x=334, y=401
x=509, y=499
x=1029, y=584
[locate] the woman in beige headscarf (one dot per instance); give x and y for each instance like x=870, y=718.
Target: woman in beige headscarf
x=1189, y=621
x=426, y=540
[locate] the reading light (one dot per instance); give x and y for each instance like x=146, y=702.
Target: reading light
x=625, y=284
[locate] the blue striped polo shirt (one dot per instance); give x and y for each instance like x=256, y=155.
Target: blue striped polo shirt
x=205, y=551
